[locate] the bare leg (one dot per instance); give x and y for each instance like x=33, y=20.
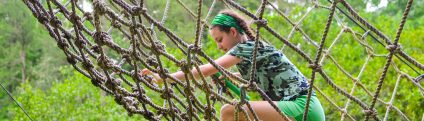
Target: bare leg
x=263, y=109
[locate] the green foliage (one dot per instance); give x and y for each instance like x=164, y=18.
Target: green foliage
x=23, y=41
x=73, y=99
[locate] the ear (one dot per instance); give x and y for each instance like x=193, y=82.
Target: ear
x=233, y=31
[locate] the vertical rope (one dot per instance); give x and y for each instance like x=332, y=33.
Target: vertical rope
x=199, y=27
x=317, y=57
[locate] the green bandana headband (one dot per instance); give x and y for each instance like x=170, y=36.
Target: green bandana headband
x=226, y=20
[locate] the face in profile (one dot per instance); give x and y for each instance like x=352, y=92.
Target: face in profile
x=224, y=40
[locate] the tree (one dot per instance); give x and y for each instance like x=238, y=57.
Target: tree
x=27, y=51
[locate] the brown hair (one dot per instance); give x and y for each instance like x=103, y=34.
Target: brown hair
x=240, y=21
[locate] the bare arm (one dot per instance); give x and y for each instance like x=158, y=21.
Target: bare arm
x=225, y=61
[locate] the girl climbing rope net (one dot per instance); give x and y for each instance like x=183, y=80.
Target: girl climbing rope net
x=283, y=83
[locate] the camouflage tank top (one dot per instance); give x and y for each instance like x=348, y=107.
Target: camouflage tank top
x=275, y=74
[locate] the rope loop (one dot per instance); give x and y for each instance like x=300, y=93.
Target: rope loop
x=111, y=84
x=193, y=48
x=118, y=99
x=314, y=66
x=80, y=43
x=136, y=10
x=99, y=7
x=148, y=78
x=167, y=94
x=105, y=62
x=96, y=49
x=62, y=44
x=393, y=48
x=133, y=29
x=162, y=74
x=96, y=82
x=261, y=22
x=101, y=38
x=74, y=18
x=88, y=16
x=67, y=35
x=160, y=47
x=149, y=115
x=152, y=62
x=55, y=22
x=42, y=18
x=371, y=113
x=87, y=64
x=183, y=64
x=116, y=24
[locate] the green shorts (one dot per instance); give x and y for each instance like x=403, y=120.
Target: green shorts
x=296, y=108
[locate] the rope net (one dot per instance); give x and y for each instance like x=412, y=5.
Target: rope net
x=118, y=38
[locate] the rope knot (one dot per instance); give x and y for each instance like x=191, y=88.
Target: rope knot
x=116, y=24
x=95, y=82
x=71, y=60
x=118, y=99
x=148, y=78
x=393, y=48
x=166, y=94
x=42, y=18
x=111, y=84
x=152, y=62
x=67, y=35
x=74, y=17
x=87, y=65
x=252, y=85
x=135, y=10
x=371, y=113
x=126, y=56
x=194, y=49
x=314, y=67
x=62, y=44
x=234, y=102
x=185, y=68
x=149, y=115
x=261, y=23
x=105, y=62
x=131, y=100
x=80, y=43
x=184, y=116
x=99, y=6
x=133, y=29
x=183, y=64
x=96, y=49
x=101, y=38
x=55, y=22
x=162, y=112
x=137, y=91
x=88, y=15
x=161, y=73
x=159, y=47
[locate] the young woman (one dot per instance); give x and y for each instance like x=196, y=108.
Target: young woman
x=276, y=75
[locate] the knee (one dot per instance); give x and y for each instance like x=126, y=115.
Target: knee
x=227, y=112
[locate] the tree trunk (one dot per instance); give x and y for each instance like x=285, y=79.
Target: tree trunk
x=23, y=59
